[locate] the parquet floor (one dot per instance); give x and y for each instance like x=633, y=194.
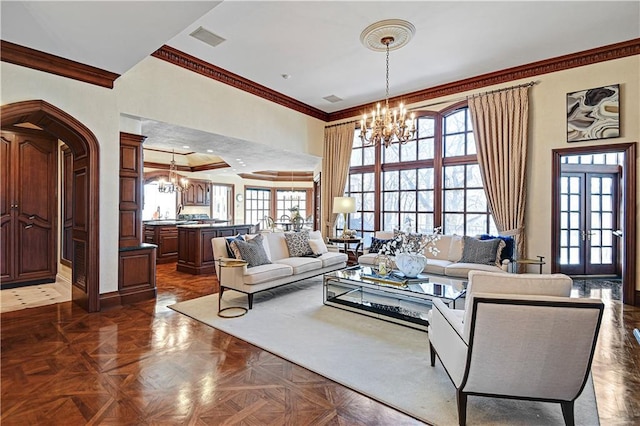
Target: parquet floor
x=145, y=364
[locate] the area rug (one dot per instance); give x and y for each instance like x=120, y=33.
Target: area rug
x=385, y=361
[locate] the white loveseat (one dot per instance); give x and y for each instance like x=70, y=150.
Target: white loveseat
x=519, y=336
x=446, y=261
x=283, y=268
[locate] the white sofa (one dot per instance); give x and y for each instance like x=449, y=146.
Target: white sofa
x=446, y=262
x=283, y=269
x=519, y=336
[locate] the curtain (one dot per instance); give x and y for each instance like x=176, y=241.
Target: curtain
x=338, y=142
x=500, y=127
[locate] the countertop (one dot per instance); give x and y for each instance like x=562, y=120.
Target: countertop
x=169, y=222
x=210, y=225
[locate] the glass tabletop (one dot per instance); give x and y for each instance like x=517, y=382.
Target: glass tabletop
x=426, y=284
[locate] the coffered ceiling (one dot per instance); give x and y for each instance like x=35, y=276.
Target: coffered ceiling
x=317, y=43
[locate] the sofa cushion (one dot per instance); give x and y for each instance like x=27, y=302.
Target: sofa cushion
x=367, y=259
x=332, y=258
x=456, y=248
x=461, y=270
x=442, y=245
x=268, y=272
x=485, y=252
x=298, y=243
x=265, y=243
x=302, y=264
x=436, y=266
x=251, y=251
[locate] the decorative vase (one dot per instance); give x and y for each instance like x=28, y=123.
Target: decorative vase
x=410, y=264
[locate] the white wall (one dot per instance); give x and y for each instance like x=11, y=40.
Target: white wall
x=161, y=91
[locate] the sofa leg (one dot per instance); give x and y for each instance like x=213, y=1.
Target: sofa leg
x=250, y=296
x=567, y=413
x=461, y=399
x=432, y=354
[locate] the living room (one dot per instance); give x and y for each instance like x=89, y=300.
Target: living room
x=145, y=91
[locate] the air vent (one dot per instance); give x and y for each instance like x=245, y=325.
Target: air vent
x=207, y=36
x=332, y=98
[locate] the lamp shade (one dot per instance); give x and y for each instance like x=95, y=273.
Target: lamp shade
x=344, y=204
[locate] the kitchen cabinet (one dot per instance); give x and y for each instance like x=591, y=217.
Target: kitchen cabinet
x=199, y=194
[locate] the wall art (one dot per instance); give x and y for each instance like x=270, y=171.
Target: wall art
x=593, y=114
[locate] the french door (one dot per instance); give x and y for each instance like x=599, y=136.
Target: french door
x=589, y=215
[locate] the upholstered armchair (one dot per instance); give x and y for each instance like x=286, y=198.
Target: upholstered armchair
x=520, y=336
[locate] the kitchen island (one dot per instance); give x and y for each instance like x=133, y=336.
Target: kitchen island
x=195, y=254
x=164, y=234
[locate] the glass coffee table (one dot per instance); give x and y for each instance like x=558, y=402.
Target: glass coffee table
x=391, y=298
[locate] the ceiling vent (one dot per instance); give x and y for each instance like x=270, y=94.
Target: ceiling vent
x=332, y=98
x=207, y=36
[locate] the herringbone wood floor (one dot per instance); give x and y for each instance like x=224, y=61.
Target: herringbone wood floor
x=146, y=364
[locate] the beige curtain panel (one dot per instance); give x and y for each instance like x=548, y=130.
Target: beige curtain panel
x=338, y=142
x=500, y=125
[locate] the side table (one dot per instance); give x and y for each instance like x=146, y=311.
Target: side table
x=224, y=312
x=346, y=242
x=539, y=261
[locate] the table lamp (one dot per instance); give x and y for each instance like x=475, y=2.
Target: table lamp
x=344, y=205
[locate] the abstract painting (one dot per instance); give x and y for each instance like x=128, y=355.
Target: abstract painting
x=593, y=114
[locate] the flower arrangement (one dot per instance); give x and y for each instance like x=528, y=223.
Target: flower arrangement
x=412, y=243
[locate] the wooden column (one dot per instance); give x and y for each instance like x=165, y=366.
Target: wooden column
x=137, y=263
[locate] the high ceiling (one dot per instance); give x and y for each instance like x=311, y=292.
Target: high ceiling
x=317, y=44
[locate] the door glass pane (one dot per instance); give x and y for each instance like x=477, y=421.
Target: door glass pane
x=607, y=206
x=607, y=221
x=595, y=202
x=574, y=256
x=607, y=185
x=574, y=185
x=595, y=220
x=575, y=238
x=595, y=255
x=574, y=203
x=607, y=255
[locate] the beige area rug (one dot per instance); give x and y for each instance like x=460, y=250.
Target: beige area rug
x=34, y=295
x=385, y=361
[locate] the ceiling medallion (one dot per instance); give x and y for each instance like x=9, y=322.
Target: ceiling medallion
x=386, y=126
x=399, y=30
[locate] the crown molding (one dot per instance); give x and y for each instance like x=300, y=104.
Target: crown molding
x=191, y=63
x=46, y=62
x=279, y=176
x=200, y=168
x=560, y=63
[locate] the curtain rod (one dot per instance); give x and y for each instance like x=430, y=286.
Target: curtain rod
x=448, y=101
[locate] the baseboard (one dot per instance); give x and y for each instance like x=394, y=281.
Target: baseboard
x=137, y=296
x=110, y=300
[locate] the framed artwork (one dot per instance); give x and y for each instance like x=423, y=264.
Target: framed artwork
x=593, y=114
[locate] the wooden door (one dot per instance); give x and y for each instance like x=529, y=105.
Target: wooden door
x=588, y=223
x=30, y=225
x=6, y=211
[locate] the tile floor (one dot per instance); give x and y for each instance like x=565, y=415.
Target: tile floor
x=35, y=295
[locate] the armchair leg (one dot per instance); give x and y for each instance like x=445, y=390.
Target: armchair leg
x=250, y=296
x=567, y=413
x=461, y=399
x=432, y=354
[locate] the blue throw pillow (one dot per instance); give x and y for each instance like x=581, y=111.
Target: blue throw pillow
x=507, y=251
x=230, y=252
x=376, y=244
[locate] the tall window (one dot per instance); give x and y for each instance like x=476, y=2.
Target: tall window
x=433, y=180
x=221, y=206
x=257, y=204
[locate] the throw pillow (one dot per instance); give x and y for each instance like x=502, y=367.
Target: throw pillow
x=484, y=252
x=252, y=251
x=507, y=252
x=318, y=246
x=298, y=243
x=229, y=240
x=376, y=244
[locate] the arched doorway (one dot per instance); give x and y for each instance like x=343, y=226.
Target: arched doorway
x=85, y=149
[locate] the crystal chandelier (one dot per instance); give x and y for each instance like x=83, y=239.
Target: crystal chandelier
x=176, y=182
x=387, y=126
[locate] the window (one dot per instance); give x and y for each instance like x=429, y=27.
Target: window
x=257, y=204
x=433, y=180
x=287, y=200
x=221, y=203
x=275, y=202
